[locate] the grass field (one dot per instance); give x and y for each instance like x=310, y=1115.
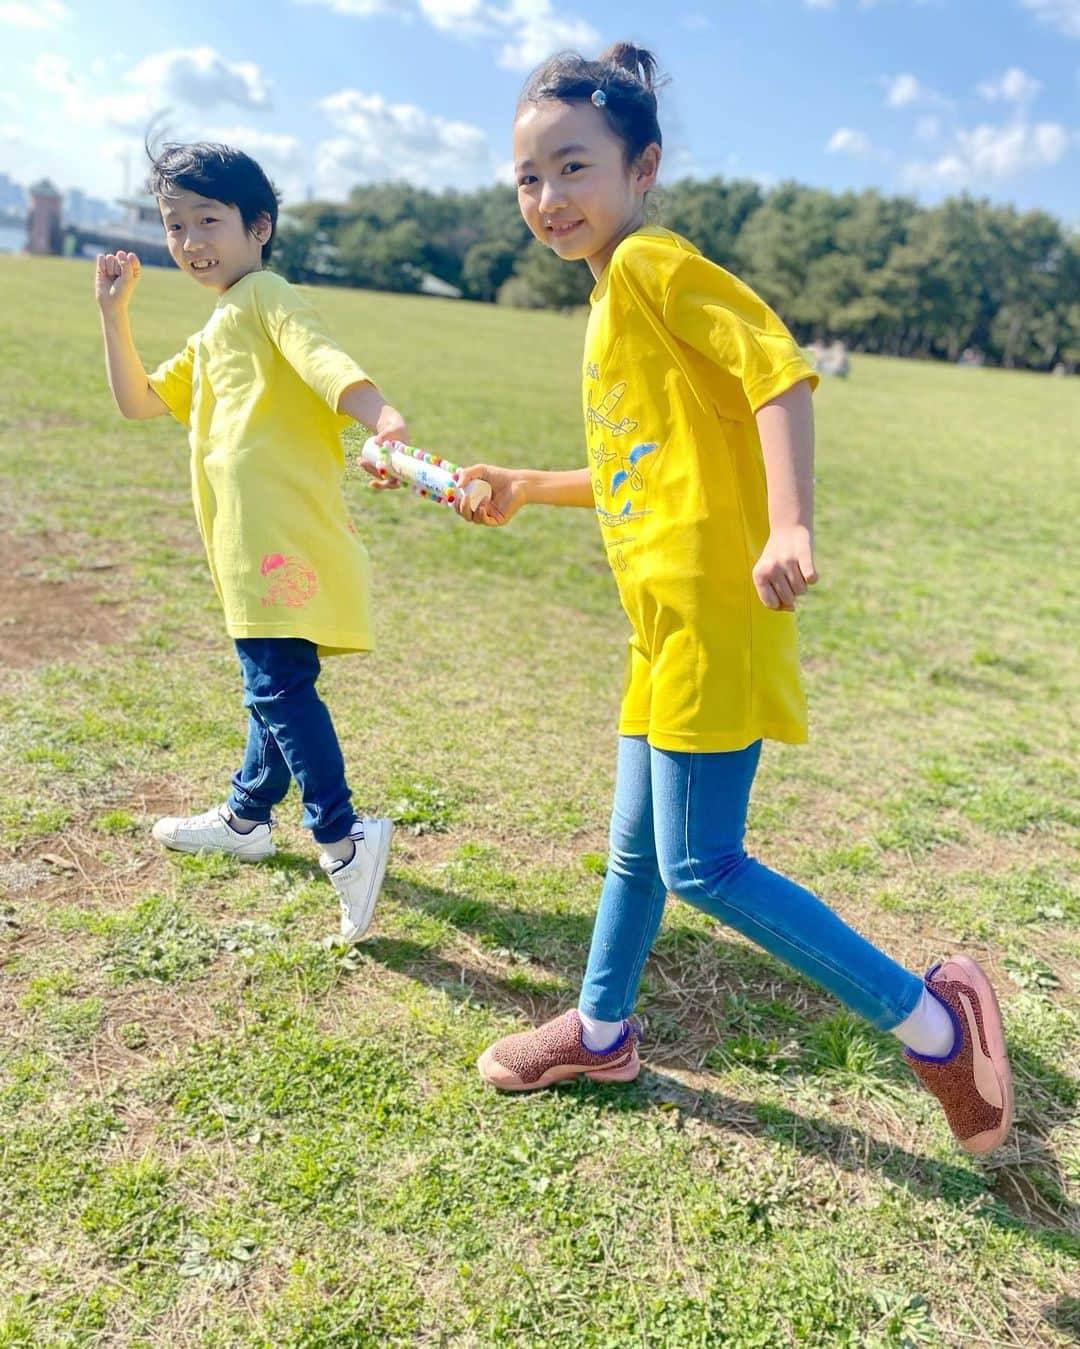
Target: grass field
x=219, y=1128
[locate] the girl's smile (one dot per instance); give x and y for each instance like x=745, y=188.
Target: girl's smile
x=575, y=190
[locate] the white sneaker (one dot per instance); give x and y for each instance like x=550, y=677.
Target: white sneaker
x=359, y=880
x=212, y=832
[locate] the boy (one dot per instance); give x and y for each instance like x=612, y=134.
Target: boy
x=264, y=393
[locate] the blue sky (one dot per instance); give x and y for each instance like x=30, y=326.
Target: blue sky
x=922, y=97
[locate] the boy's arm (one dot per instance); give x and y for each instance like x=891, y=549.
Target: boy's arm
x=114, y=282
x=786, y=566
x=512, y=488
x=364, y=403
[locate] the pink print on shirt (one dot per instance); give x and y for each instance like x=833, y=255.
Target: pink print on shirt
x=292, y=582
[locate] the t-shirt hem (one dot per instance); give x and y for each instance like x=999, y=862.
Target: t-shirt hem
x=713, y=742
x=330, y=642
x=779, y=381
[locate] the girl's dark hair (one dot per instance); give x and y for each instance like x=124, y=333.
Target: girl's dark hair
x=218, y=172
x=625, y=74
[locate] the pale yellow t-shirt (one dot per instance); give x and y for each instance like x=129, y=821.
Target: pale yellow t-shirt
x=679, y=355
x=258, y=388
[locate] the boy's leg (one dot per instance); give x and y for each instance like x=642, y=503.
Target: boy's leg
x=262, y=780
x=241, y=826
x=700, y=803
x=279, y=681
x=280, y=674
x=597, y=1040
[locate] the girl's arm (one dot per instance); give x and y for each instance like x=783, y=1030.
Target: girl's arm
x=512, y=488
x=786, y=566
x=114, y=282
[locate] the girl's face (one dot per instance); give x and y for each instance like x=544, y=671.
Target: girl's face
x=574, y=188
x=208, y=240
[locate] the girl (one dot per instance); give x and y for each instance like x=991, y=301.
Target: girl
x=263, y=391
x=699, y=429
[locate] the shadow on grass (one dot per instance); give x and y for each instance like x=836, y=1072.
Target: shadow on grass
x=1064, y=1315
x=781, y=1022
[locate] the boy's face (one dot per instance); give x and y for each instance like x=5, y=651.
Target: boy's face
x=208, y=240
x=575, y=191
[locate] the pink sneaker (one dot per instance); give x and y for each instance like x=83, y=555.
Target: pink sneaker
x=974, y=1082
x=555, y=1052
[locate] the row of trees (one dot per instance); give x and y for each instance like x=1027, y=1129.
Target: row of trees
x=881, y=273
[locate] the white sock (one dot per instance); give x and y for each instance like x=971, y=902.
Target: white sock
x=929, y=1029
x=598, y=1035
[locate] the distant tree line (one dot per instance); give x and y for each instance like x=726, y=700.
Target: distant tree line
x=881, y=273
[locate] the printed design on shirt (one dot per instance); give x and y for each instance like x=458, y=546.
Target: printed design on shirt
x=625, y=517
x=616, y=558
x=606, y=410
x=291, y=581
x=603, y=421
x=630, y=473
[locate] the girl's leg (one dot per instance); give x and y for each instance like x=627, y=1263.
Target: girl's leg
x=700, y=803
x=279, y=682
x=633, y=895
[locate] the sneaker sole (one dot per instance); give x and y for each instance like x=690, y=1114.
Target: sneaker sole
x=999, y=1059
x=494, y=1074
x=377, y=878
x=223, y=852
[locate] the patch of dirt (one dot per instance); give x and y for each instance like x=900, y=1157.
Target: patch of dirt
x=48, y=612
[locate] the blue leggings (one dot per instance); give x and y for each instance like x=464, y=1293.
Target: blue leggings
x=677, y=826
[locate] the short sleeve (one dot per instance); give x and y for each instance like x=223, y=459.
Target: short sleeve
x=723, y=319
x=172, y=381
x=298, y=332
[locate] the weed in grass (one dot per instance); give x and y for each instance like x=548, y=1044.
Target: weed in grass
x=70, y=1021
x=159, y=940
x=273, y=1075
x=422, y=807
x=1028, y=971
x=116, y=822
x=132, y=1214
x=843, y=1048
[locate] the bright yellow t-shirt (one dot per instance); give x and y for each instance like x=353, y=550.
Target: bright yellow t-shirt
x=258, y=388
x=679, y=355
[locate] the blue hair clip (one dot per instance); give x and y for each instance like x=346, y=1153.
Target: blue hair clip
x=598, y=98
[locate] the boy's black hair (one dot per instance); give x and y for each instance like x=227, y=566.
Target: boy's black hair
x=220, y=173
x=625, y=74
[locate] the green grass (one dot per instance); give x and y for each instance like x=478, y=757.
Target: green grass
x=218, y=1127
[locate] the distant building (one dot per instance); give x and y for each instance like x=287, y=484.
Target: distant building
x=43, y=230
x=12, y=194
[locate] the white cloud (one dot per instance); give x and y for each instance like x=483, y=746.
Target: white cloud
x=846, y=141
x=928, y=128
x=1014, y=86
x=902, y=90
x=988, y=154
x=529, y=30
x=1064, y=15
x=199, y=76
x=536, y=31
x=379, y=140
x=41, y=14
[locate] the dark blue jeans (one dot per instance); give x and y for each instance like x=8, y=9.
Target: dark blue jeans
x=290, y=735
x=677, y=826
